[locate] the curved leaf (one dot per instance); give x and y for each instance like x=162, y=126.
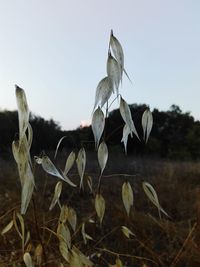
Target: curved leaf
x=147, y=123
x=102, y=156
x=127, y=232
x=58, y=145
x=127, y=196
x=114, y=72
x=103, y=92
x=28, y=260
x=98, y=124
x=126, y=132
x=69, y=162
x=117, y=51
x=81, y=162
x=57, y=192
x=126, y=115
x=27, y=189
x=50, y=168
x=23, y=111
x=100, y=206
x=72, y=218
x=7, y=227
x=153, y=197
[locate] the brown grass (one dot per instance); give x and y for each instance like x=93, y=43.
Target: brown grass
x=165, y=242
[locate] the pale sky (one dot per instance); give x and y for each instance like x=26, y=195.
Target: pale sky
x=56, y=50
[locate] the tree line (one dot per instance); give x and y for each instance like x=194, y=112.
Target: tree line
x=175, y=134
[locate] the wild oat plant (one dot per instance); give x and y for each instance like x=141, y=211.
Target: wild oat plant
x=73, y=240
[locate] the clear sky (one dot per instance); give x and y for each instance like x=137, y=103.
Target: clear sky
x=57, y=52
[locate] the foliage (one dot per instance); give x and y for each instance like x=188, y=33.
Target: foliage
x=71, y=233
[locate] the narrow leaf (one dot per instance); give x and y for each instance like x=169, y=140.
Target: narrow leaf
x=7, y=227
x=102, y=156
x=27, y=189
x=30, y=136
x=63, y=214
x=38, y=254
x=127, y=232
x=67, y=180
x=126, y=132
x=72, y=218
x=90, y=183
x=21, y=220
x=100, y=206
x=27, y=238
x=153, y=197
x=57, y=192
x=23, y=111
x=74, y=260
x=50, y=168
x=81, y=163
x=147, y=123
x=64, y=250
x=114, y=72
x=28, y=260
x=98, y=123
x=58, y=145
x=126, y=116
x=117, y=51
x=127, y=196
x=64, y=234
x=103, y=92
x=83, y=258
x=69, y=162
x=84, y=235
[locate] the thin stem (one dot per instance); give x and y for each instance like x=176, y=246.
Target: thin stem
x=177, y=258
x=99, y=184
x=114, y=100
x=125, y=255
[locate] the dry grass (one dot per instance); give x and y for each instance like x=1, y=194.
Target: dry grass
x=165, y=242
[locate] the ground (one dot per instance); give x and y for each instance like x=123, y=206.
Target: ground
x=173, y=241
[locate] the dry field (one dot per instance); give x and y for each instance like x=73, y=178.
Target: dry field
x=173, y=241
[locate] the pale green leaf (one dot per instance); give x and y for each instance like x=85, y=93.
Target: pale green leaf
x=27, y=189
x=102, y=156
x=90, y=183
x=83, y=258
x=114, y=72
x=103, y=92
x=127, y=196
x=84, y=235
x=117, y=51
x=28, y=260
x=63, y=214
x=147, y=123
x=153, y=197
x=126, y=132
x=64, y=250
x=7, y=227
x=23, y=111
x=100, y=206
x=81, y=163
x=50, y=168
x=72, y=218
x=98, y=123
x=58, y=145
x=69, y=162
x=64, y=234
x=126, y=116
x=127, y=232
x=57, y=192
